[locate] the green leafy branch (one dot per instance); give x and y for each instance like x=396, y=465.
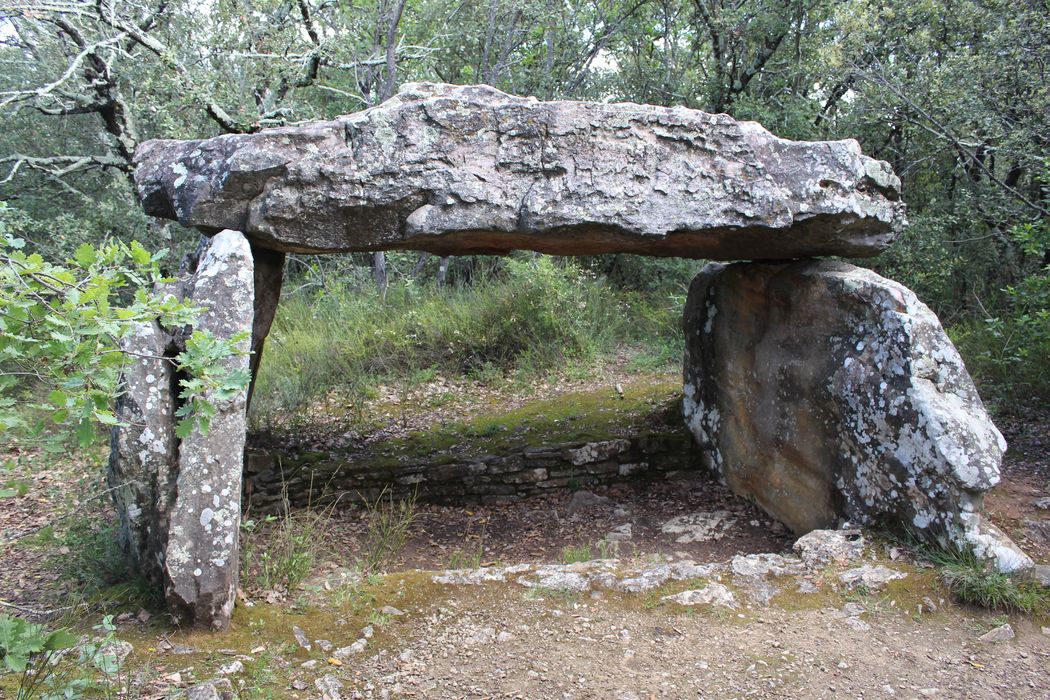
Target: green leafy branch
x=61, y=329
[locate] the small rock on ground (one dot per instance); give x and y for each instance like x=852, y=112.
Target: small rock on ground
x=714, y=594
x=999, y=634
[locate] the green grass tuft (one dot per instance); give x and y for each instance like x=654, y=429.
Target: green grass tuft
x=976, y=582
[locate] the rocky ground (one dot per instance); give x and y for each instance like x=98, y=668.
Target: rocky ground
x=696, y=594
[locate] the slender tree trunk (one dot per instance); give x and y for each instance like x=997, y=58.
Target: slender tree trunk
x=442, y=271
x=379, y=270
x=386, y=91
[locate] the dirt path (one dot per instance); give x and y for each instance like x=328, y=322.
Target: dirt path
x=514, y=647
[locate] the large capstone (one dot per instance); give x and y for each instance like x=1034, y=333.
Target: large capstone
x=828, y=393
x=469, y=169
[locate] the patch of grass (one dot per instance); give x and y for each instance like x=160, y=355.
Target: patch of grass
x=460, y=559
x=379, y=618
x=260, y=678
x=387, y=529
x=573, y=555
x=532, y=315
x=976, y=582
x=280, y=551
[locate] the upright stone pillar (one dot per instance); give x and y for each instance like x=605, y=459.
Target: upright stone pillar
x=201, y=563
x=828, y=393
x=179, y=500
x=142, y=452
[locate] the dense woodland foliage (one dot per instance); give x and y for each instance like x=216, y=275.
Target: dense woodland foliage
x=953, y=93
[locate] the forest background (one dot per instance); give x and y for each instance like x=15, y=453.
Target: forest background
x=953, y=93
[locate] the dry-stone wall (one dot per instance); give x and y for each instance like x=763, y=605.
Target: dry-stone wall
x=311, y=478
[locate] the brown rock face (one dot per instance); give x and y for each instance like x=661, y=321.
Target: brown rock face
x=469, y=169
x=829, y=393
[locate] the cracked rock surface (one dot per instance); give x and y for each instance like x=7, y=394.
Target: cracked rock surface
x=469, y=169
x=829, y=393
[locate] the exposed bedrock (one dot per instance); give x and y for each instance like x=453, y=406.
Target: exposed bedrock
x=179, y=501
x=469, y=169
x=828, y=393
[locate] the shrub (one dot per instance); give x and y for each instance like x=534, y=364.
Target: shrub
x=535, y=314
x=1008, y=354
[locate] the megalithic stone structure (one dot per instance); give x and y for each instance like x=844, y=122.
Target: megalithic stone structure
x=180, y=500
x=823, y=391
x=469, y=169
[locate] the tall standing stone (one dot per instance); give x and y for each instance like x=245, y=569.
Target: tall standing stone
x=201, y=563
x=827, y=392
x=142, y=453
x=179, y=500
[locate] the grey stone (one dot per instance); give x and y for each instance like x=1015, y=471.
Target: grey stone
x=853, y=609
x=219, y=689
x=699, y=527
x=563, y=581
x=234, y=667
x=344, y=653
x=621, y=533
x=201, y=563
x=598, y=451
x=300, y=638
x=330, y=687
x=871, y=577
x=1038, y=529
x=1042, y=503
x=1002, y=633
x=760, y=565
x=643, y=581
x=714, y=594
x=822, y=547
x=585, y=500
x=827, y=392
x=1041, y=574
x=469, y=169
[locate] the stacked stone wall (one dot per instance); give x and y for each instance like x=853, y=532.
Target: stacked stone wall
x=315, y=479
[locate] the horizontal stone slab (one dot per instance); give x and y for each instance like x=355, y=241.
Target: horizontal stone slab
x=469, y=169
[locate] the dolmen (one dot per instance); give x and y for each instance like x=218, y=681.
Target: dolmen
x=822, y=391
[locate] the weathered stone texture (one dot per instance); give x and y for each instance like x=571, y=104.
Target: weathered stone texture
x=201, y=565
x=142, y=452
x=461, y=169
x=179, y=500
x=827, y=392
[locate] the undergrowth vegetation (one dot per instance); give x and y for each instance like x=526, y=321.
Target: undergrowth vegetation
x=528, y=317
x=976, y=582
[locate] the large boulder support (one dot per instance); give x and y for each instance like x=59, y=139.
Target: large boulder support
x=142, y=460
x=202, y=559
x=179, y=501
x=469, y=169
x=269, y=277
x=828, y=393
